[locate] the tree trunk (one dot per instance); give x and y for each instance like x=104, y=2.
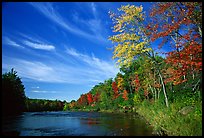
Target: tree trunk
x=152, y=91
x=164, y=90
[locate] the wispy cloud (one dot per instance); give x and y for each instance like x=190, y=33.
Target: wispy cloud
x=62, y=73
x=95, y=25
x=43, y=91
x=99, y=65
x=93, y=7
x=39, y=45
x=36, y=87
x=33, y=38
x=28, y=41
x=73, y=52
x=48, y=11
x=8, y=41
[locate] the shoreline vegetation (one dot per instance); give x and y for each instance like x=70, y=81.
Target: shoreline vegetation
x=174, y=122
x=165, y=90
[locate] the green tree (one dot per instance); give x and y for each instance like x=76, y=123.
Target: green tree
x=132, y=40
x=13, y=94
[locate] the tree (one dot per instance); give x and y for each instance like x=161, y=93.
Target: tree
x=125, y=95
x=120, y=82
x=115, y=89
x=137, y=83
x=89, y=98
x=13, y=94
x=83, y=101
x=96, y=97
x=104, y=100
x=179, y=24
x=131, y=40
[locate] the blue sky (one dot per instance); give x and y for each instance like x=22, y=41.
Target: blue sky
x=60, y=50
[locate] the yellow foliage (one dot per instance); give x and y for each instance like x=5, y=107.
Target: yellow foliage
x=120, y=82
x=130, y=40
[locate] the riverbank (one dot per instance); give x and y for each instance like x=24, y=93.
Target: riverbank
x=177, y=120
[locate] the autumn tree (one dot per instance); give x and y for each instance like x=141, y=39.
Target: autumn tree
x=179, y=24
x=115, y=89
x=83, y=100
x=120, y=82
x=132, y=40
x=89, y=98
x=125, y=95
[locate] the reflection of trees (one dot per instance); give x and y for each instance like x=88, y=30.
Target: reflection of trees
x=90, y=121
x=118, y=124
x=125, y=125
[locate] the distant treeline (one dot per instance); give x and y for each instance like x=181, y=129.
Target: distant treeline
x=14, y=100
x=34, y=105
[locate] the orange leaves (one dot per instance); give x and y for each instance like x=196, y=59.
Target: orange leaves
x=115, y=89
x=125, y=95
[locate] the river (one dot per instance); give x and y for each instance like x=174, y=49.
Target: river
x=76, y=124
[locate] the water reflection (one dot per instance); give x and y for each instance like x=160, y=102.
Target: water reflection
x=76, y=124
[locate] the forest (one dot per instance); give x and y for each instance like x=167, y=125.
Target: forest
x=166, y=90
x=163, y=87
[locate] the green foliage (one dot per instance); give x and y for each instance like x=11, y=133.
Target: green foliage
x=149, y=78
x=136, y=99
x=13, y=94
x=34, y=105
x=66, y=107
x=170, y=120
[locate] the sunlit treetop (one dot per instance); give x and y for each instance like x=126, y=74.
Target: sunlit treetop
x=131, y=39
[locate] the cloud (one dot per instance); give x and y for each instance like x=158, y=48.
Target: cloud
x=92, y=73
x=48, y=11
x=93, y=7
x=95, y=25
x=29, y=41
x=43, y=91
x=32, y=38
x=8, y=41
x=37, y=87
x=100, y=66
x=39, y=45
x=72, y=52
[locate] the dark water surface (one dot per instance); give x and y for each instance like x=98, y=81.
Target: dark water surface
x=76, y=124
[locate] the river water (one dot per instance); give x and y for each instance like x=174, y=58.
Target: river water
x=76, y=124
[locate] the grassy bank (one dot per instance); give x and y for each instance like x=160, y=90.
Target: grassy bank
x=183, y=117
x=171, y=121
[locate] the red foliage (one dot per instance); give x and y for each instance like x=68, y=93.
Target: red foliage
x=137, y=83
x=169, y=17
x=169, y=22
x=115, y=89
x=82, y=100
x=89, y=98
